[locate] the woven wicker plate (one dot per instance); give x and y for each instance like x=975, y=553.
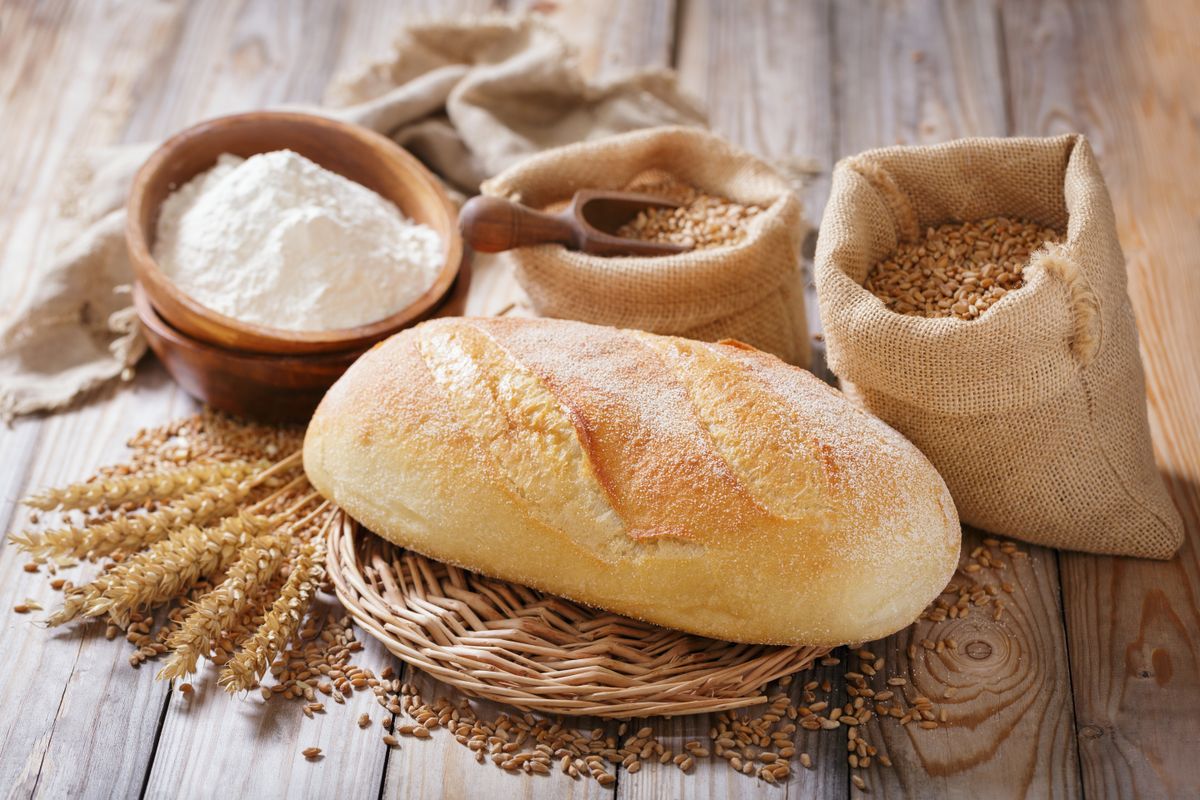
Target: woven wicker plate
x=538, y=652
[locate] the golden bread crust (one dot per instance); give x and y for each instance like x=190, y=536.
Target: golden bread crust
x=705, y=487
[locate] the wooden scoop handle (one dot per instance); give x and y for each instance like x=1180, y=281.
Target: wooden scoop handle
x=491, y=225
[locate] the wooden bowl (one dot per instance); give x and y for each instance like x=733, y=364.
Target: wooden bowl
x=349, y=150
x=263, y=386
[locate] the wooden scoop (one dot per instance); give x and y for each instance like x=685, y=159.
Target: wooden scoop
x=588, y=224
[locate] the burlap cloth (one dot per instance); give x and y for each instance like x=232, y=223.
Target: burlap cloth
x=468, y=98
x=751, y=291
x=1035, y=412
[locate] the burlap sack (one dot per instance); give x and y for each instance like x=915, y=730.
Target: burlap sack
x=750, y=291
x=1035, y=412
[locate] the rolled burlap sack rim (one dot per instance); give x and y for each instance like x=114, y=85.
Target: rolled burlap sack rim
x=676, y=292
x=1055, y=315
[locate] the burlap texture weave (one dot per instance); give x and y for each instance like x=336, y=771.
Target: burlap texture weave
x=1035, y=412
x=750, y=291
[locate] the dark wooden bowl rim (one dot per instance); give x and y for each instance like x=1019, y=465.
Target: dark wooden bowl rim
x=249, y=337
x=153, y=319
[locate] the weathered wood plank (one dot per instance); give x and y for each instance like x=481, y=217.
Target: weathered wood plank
x=57, y=690
x=1005, y=690
x=62, y=693
x=715, y=778
x=441, y=767
x=91, y=85
x=612, y=38
x=1125, y=78
x=917, y=72
x=764, y=72
x=216, y=745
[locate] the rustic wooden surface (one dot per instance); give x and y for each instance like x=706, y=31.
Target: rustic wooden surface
x=1090, y=684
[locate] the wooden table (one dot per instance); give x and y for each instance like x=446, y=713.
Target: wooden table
x=1091, y=684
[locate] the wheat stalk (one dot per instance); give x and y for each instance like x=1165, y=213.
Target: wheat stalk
x=282, y=466
x=188, y=535
x=247, y=582
x=230, y=640
x=279, y=627
x=139, y=488
x=169, y=567
x=281, y=495
x=221, y=608
x=136, y=531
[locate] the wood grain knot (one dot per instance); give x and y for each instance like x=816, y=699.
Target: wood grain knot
x=978, y=650
x=1091, y=732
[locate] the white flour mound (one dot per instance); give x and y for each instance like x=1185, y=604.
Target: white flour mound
x=276, y=240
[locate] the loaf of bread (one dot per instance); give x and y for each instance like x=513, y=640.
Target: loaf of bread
x=705, y=487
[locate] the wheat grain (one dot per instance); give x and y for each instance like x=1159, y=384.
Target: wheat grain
x=220, y=608
x=211, y=435
x=701, y=221
x=958, y=269
x=280, y=624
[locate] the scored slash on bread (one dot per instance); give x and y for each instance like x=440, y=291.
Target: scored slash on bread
x=705, y=487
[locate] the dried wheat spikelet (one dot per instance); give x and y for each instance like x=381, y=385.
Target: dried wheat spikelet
x=230, y=640
x=135, y=531
x=220, y=609
x=137, y=488
x=171, y=566
x=243, y=671
x=76, y=600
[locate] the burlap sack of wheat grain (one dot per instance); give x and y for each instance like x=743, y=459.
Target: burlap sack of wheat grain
x=1034, y=412
x=749, y=291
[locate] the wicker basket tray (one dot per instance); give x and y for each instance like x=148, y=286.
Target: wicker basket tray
x=538, y=652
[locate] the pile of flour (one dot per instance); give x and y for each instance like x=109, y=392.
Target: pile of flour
x=276, y=240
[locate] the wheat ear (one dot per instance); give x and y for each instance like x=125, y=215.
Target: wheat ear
x=279, y=627
x=169, y=567
x=112, y=492
x=135, y=531
x=219, y=609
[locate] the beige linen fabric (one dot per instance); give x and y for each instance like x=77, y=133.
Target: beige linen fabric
x=1035, y=412
x=751, y=291
x=469, y=98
